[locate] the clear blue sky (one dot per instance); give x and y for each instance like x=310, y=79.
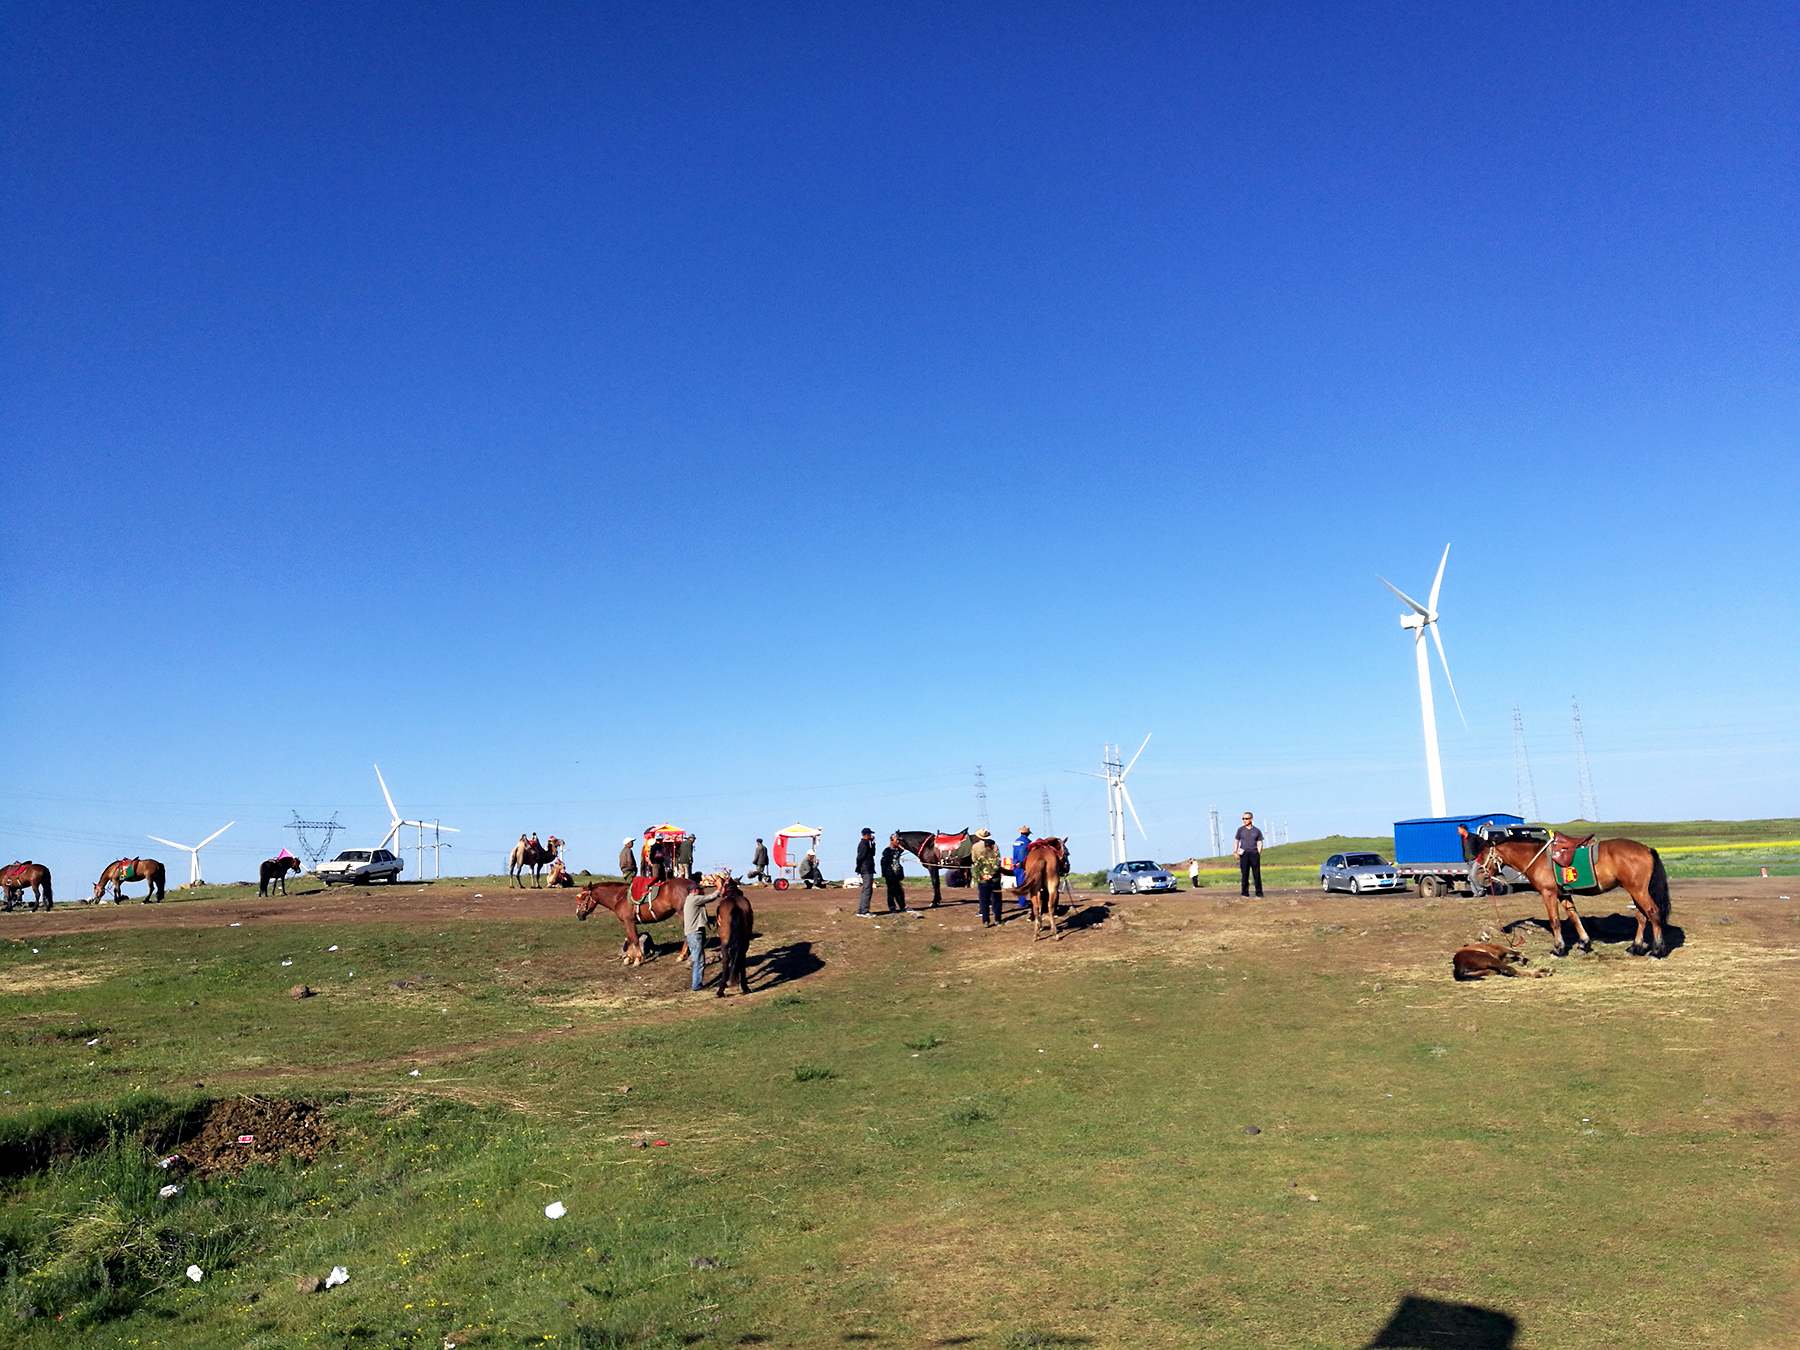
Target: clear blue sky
x=599, y=414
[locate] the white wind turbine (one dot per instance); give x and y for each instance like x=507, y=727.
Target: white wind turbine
x=194, y=852
x=1423, y=617
x=396, y=824
x=1118, y=800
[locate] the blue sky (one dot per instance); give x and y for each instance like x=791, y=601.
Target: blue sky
x=598, y=414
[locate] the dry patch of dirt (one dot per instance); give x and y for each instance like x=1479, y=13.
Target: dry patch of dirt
x=52, y=976
x=236, y=1132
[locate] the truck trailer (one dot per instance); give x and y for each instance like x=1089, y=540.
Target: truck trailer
x=1429, y=852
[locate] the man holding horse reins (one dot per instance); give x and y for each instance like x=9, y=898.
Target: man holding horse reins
x=1021, y=847
x=894, y=874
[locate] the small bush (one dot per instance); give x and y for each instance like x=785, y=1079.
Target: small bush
x=924, y=1043
x=970, y=1113
x=788, y=1001
x=813, y=1073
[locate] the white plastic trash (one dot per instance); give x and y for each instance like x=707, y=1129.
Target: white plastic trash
x=338, y=1276
x=555, y=1210
x=168, y=1192
x=196, y=1274
x=413, y=1074
x=332, y=947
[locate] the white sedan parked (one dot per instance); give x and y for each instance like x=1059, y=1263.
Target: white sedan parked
x=1358, y=872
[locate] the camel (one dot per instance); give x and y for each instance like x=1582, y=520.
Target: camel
x=528, y=853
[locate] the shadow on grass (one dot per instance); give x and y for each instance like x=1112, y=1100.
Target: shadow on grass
x=783, y=965
x=1613, y=929
x=1454, y=1326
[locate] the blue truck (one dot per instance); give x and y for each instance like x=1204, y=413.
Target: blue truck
x=1429, y=852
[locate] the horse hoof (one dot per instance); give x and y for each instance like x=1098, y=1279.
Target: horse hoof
x=1587, y=946
x=1637, y=949
x=1559, y=950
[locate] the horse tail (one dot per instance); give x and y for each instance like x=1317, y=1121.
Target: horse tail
x=1659, y=885
x=49, y=895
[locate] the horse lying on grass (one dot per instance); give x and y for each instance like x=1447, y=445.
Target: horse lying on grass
x=1489, y=958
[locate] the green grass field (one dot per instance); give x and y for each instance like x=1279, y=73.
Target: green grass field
x=915, y=1133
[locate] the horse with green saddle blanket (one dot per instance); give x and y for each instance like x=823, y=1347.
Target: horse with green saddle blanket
x=1565, y=865
x=147, y=870
x=642, y=900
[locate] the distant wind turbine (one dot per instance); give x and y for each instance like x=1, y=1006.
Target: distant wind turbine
x=192, y=852
x=1423, y=617
x=1118, y=800
x=396, y=824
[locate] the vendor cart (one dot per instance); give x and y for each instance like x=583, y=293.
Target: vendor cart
x=791, y=845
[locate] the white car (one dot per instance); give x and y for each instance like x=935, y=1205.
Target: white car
x=358, y=866
x=1359, y=872
x=1134, y=878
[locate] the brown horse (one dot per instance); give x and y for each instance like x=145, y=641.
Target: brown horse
x=736, y=924
x=131, y=869
x=14, y=880
x=1483, y=958
x=274, y=872
x=535, y=856
x=923, y=845
x=1046, y=864
x=1617, y=862
x=640, y=901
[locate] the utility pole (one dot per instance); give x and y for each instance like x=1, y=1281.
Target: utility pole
x=1218, y=837
x=1584, y=781
x=981, y=814
x=1049, y=829
x=1523, y=788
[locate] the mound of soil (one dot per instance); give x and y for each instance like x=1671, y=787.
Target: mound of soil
x=277, y=1129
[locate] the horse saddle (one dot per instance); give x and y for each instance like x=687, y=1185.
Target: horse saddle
x=14, y=875
x=1047, y=845
x=130, y=869
x=1563, y=846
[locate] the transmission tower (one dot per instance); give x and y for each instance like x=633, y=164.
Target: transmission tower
x=1049, y=829
x=1218, y=836
x=314, y=854
x=1584, y=781
x=1523, y=787
x=981, y=815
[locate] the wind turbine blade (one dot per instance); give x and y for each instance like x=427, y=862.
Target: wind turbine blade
x=384, y=792
x=1134, y=815
x=209, y=838
x=171, y=843
x=1445, y=662
x=1134, y=760
x=1432, y=605
x=1417, y=608
x=1086, y=773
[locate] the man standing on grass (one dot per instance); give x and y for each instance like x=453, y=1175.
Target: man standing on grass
x=628, y=859
x=865, y=871
x=759, y=864
x=693, y=929
x=1248, y=849
x=894, y=874
x=1021, y=847
x=984, y=860
x=1193, y=874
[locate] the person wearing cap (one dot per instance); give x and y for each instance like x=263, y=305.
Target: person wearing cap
x=1248, y=848
x=894, y=874
x=684, y=856
x=759, y=864
x=1021, y=846
x=628, y=859
x=984, y=864
x=810, y=875
x=865, y=871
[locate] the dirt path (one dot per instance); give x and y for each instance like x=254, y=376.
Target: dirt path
x=446, y=902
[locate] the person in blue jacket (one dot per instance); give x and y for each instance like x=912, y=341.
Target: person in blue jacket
x=1021, y=846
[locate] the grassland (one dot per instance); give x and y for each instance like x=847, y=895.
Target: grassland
x=913, y=1134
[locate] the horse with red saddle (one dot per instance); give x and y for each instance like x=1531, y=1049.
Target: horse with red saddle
x=1564, y=865
x=641, y=900
x=936, y=851
x=1046, y=864
x=15, y=878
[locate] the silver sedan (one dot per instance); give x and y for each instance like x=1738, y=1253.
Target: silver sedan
x=1358, y=872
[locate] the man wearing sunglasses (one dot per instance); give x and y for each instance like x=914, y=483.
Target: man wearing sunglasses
x=1248, y=850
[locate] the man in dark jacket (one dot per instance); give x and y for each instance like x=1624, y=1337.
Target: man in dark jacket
x=628, y=859
x=865, y=870
x=894, y=874
x=759, y=864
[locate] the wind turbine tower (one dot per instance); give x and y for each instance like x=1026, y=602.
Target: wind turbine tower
x=1118, y=800
x=396, y=823
x=1423, y=617
x=1584, y=781
x=1218, y=835
x=1523, y=787
x=192, y=851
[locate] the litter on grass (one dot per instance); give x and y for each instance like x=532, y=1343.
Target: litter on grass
x=168, y=1192
x=196, y=1274
x=287, y=963
x=246, y=1139
x=332, y=947
x=169, y=1161
x=555, y=1210
x=95, y=1041
x=234, y=925
x=413, y=1074
x=338, y=1276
